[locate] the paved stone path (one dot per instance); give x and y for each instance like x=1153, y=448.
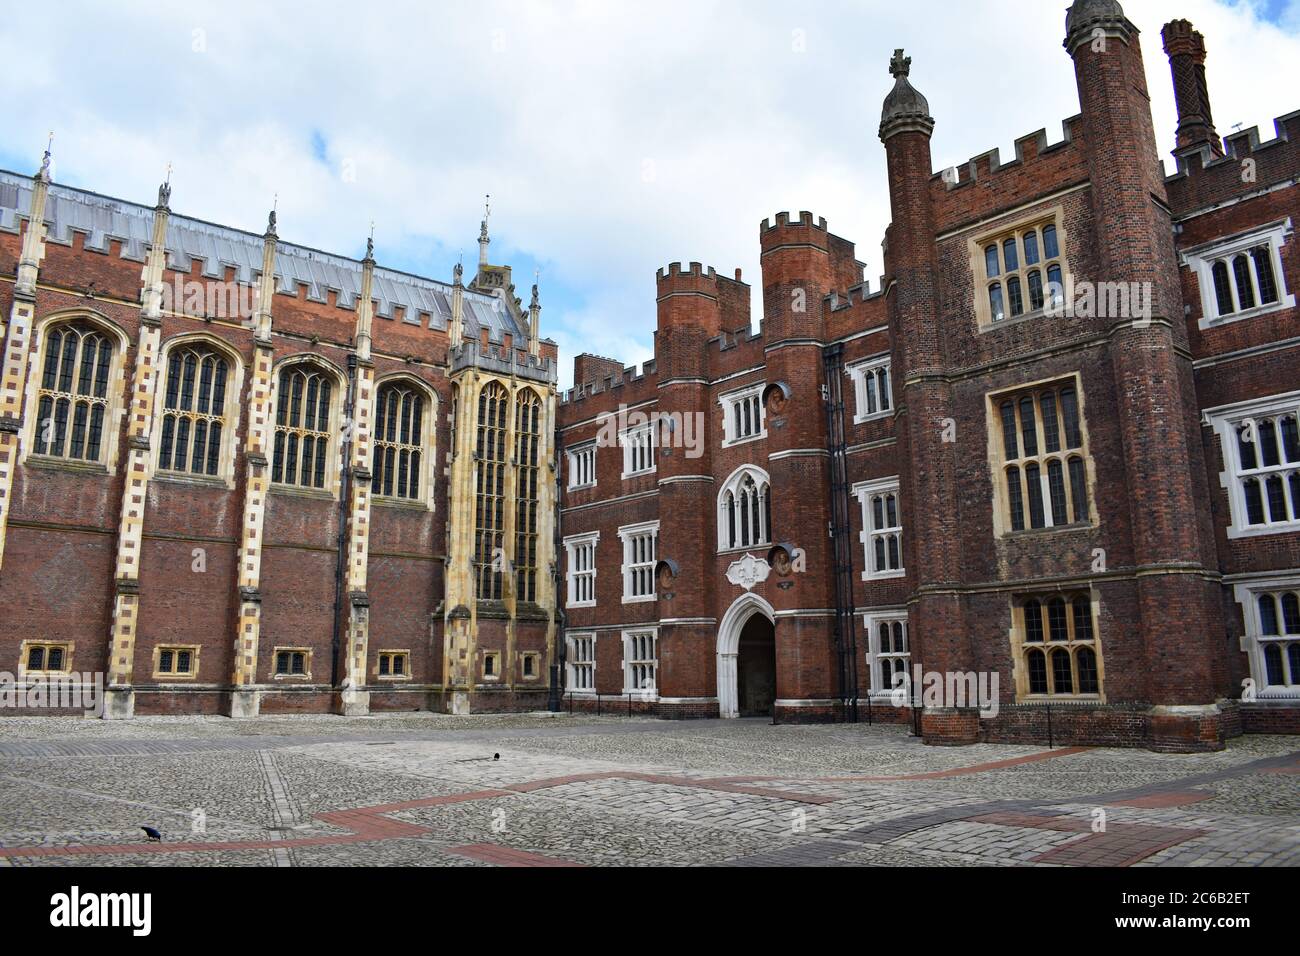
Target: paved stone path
x=544, y=790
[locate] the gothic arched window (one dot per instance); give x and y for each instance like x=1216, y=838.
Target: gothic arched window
x=490, y=490
x=528, y=435
x=73, y=399
x=745, y=510
x=194, y=419
x=399, y=442
x=302, y=426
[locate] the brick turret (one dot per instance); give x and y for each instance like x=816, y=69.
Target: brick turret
x=695, y=305
x=919, y=362
x=1181, y=618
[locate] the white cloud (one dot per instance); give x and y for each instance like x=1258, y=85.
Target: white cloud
x=614, y=138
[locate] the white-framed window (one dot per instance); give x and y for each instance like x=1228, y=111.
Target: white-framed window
x=581, y=663
x=580, y=565
x=638, y=450
x=743, y=416
x=745, y=509
x=888, y=650
x=882, y=528
x=640, y=661
x=582, y=466
x=872, y=395
x=1260, y=440
x=640, y=552
x=1241, y=276
x=1271, y=610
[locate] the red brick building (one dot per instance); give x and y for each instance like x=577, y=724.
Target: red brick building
x=1057, y=444
x=240, y=476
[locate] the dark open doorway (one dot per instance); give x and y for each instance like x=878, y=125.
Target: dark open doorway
x=756, y=668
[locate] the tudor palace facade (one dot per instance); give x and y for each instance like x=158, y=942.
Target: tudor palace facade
x=239, y=476
x=1058, y=444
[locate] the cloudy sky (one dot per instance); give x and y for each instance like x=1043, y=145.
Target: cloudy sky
x=614, y=137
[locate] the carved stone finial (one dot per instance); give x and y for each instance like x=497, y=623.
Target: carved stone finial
x=457, y=272
x=43, y=174
x=370, y=250
x=900, y=65
x=535, y=302
x=905, y=109
x=270, y=224
x=164, y=195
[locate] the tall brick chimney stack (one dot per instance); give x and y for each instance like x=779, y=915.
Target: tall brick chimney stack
x=1185, y=48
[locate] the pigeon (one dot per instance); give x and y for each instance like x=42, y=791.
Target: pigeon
x=153, y=835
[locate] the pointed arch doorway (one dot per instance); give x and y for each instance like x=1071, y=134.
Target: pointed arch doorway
x=747, y=659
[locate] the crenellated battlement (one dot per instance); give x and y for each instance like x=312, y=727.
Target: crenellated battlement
x=986, y=167
x=501, y=359
x=695, y=278
x=1248, y=160
x=737, y=338
x=783, y=221
x=609, y=383
x=854, y=295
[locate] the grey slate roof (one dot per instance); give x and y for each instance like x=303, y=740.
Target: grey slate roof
x=103, y=218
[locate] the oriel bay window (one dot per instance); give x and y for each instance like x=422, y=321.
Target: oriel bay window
x=73, y=397
x=304, y=405
x=1043, y=461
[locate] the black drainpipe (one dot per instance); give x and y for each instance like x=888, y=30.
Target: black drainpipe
x=560, y=591
x=345, y=491
x=846, y=642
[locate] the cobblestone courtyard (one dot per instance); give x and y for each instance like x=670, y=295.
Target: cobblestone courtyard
x=583, y=791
